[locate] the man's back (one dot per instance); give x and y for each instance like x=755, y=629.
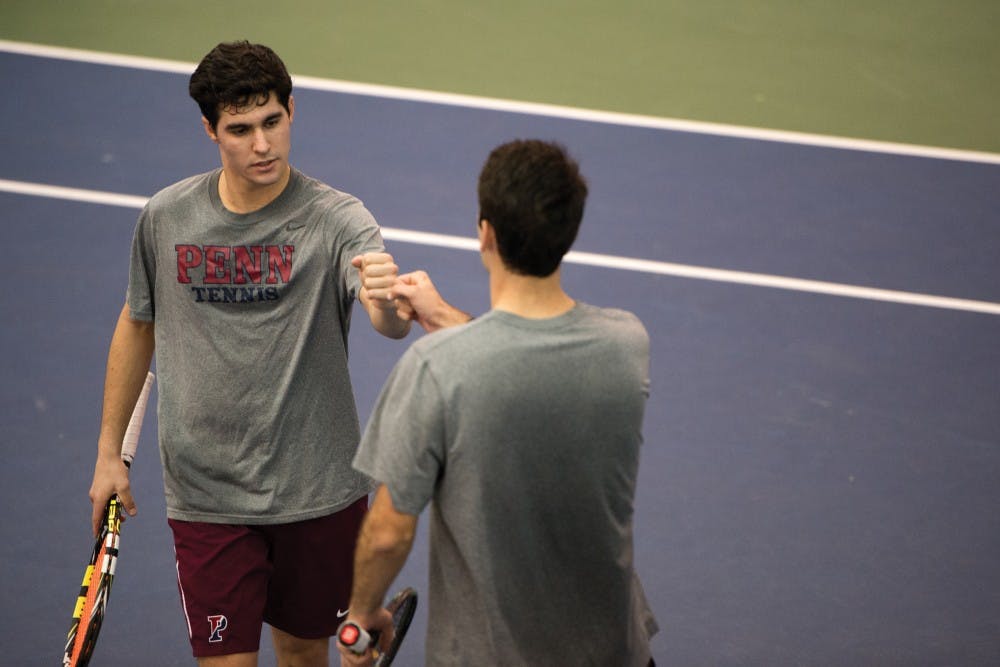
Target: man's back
x=527, y=433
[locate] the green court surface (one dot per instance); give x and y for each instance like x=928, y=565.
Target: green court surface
x=919, y=71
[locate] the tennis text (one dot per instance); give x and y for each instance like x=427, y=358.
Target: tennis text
x=234, y=274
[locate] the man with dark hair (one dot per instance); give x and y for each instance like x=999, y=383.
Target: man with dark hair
x=239, y=75
x=522, y=430
x=243, y=279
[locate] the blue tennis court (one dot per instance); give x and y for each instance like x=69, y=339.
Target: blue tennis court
x=820, y=476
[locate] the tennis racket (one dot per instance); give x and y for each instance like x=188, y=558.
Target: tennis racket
x=402, y=608
x=88, y=613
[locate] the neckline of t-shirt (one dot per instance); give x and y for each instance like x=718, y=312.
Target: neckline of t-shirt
x=268, y=211
x=542, y=322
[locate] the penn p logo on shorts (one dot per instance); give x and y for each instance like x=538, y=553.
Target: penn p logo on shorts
x=216, y=623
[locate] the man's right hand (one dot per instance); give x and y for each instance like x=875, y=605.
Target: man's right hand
x=110, y=478
x=419, y=300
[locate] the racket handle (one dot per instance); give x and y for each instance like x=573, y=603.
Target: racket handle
x=131, y=440
x=354, y=638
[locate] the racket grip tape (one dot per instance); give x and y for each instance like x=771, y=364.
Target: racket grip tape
x=131, y=439
x=355, y=638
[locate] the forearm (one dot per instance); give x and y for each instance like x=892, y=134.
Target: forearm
x=443, y=316
x=383, y=547
x=375, y=568
x=129, y=357
x=385, y=320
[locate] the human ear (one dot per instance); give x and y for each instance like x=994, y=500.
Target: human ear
x=208, y=130
x=487, y=235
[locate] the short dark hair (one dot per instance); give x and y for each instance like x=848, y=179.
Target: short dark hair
x=238, y=75
x=533, y=194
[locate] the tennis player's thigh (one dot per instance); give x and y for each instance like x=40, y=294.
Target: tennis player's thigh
x=313, y=563
x=223, y=572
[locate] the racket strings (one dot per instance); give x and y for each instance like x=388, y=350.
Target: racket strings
x=89, y=612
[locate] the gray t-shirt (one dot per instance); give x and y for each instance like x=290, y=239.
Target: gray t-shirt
x=257, y=420
x=525, y=434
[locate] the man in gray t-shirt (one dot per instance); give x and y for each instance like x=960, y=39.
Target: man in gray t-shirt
x=522, y=430
x=243, y=280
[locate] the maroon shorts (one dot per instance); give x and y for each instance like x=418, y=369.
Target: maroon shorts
x=294, y=576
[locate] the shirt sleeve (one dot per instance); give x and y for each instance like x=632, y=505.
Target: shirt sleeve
x=142, y=271
x=360, y=235
x=403, y=445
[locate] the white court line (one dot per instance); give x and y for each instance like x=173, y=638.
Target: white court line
x=574, y=257
x=72, y=194
x=531, y=108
